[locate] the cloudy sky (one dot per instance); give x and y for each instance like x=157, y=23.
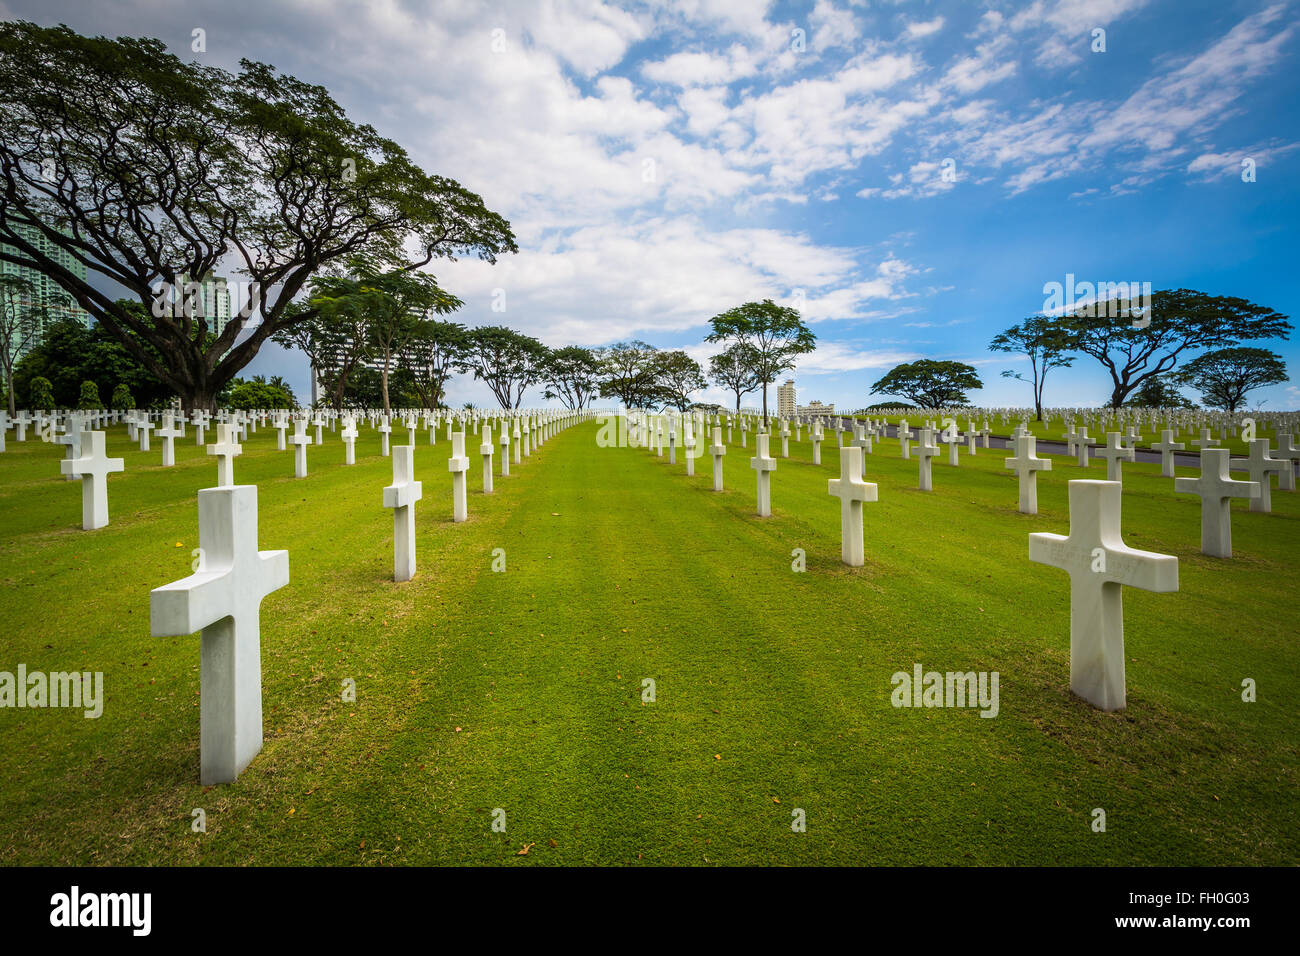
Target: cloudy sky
x=909, y=174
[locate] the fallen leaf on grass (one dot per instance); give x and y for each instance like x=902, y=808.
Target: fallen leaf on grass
x=527, y=847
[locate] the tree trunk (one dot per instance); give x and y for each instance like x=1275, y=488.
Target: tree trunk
x=383, y=383
x=200, y=398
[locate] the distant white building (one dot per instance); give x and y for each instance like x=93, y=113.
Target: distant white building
x=815, y=409
x=785, y=406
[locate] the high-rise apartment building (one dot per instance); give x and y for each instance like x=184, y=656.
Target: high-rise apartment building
x=785, y=406
x=46, y=292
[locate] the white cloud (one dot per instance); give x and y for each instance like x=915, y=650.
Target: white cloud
x=832, y=26
x=919, y=29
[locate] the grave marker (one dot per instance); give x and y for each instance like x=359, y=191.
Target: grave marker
x=401, y=496
x=1100, y=565
x=93, y=466
x=222, y=600
x=852, y=492
x=764, y=464
x=1216, y=489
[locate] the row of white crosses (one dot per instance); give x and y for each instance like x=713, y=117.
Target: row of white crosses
x=222, y=598
x=405, y=491
x=1100, y=565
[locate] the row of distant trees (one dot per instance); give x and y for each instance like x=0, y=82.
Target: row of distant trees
x=380, y=339
x=1142, y=355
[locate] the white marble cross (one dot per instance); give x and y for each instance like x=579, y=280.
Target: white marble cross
x=1261, y=464
x=926, y=449
x=1286, y=452
x=688, y=447
x=505, y=449
x=852, y=492
x=1205, y=441
x=225, y=449
x=764, y=464
x=953, y=440
x=1216, y=489
x=223, y=599
x=349, y=437
x=905, y=439
x=717, y=450
x=1167, y=446
x=93, y=466
x=1100, y=565
x=486, y=448
x=300, y=441
x=401, y=496
x=71, y=440
x=168, y=433
x=785, y=438
x=816, y=435
x=861, y=438
x=385, y=430
x=1026, y=465
x=1114, y=453
x=458, y=465
x=281, y=424
x=1082, y=442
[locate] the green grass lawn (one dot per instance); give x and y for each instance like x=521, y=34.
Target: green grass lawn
x=522, y=691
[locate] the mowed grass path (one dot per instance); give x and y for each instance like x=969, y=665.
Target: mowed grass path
x=522, y=691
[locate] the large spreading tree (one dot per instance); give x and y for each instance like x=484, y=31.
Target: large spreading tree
x=1180, y=319
x=435, y=350
x=733, y=369
x=628, y=374
x=506, y=361
x=677, y=375
x=572, y=375
x=928, y=383
x=1044, y=342
x=146, y=169
x=775, y=335
x=391, y=305
x=1223, y=377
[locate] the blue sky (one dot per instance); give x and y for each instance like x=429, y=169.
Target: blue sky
x=662, y=162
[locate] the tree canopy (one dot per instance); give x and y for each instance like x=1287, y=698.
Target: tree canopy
x=1044, y=342
x=508, y=362
x=733, y=369
x=929, y=384
x=1180, y=319
x=257, y=169
x=69, y=354
x=775, y=334
x=1225, y=376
